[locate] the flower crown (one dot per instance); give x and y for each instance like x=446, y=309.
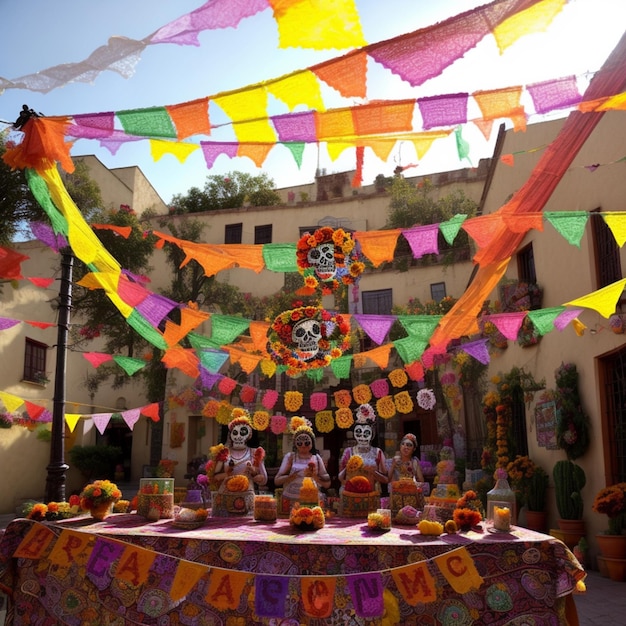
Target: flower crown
x=365, y=414
x=239, y=416
x=299, y=425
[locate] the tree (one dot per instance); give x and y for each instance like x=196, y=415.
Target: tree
x=414, y=205
x=18, y=206
x=227, y=192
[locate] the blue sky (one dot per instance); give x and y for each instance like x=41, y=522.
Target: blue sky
x=38, y=35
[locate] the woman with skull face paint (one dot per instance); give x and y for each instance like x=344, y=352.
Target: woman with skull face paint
x=374, y=463
x=303, y=461
x=241, y=458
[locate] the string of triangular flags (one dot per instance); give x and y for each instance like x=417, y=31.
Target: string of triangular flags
x=107, y=559
x=299, y=24
x=38, y=414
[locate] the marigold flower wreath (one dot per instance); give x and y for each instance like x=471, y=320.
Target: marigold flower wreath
x=334, y=339
x=347, y=267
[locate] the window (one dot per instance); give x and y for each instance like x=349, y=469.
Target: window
x=438, y=291
x=263, y=234
x=526, y=265
x=606, y=252
x=35, y=360
x=232, y=233
x=377, y=302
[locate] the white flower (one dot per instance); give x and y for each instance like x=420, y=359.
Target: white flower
x=426, y=399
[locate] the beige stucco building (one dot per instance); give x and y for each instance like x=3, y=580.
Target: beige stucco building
x=594, y=182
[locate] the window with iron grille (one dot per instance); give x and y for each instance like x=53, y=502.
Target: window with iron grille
x=377, y=302
x=35, y=360
x=263, y=234
x=613, y=377
x=606, y=252
x=526, y=265
x=438, y=291
x=233, y=233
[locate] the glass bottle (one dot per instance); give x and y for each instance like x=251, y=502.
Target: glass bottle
x=502, y=496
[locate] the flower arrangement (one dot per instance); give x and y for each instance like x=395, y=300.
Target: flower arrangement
x=611, y=501
x=426, y=399
x=344, y=268
x=354, y=464
x=467, y=513
x=99, y=493
x=238, y=483
x=6, y=420
x=334, y=339
x=306, y=517
x=165, y=468
x=529, y=481
x=358, y=484
x=53, y=510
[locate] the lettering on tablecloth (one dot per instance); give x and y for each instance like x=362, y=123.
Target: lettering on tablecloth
x=269, y=595
x=415, y=583
x=103, y=555
x=367, y=594
x=317, y=596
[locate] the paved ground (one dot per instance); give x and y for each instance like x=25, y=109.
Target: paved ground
x=604, y=602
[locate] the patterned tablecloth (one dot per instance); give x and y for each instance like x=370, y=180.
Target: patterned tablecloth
x=237, y=572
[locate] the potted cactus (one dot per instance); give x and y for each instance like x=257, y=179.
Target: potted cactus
x=569, y=479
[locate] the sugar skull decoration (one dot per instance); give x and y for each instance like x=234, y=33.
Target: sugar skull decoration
x=307, y=338
x=329, y=256
x=364, y=424
x=240, y=428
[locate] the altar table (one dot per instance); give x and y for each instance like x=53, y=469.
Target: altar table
x=127, y=571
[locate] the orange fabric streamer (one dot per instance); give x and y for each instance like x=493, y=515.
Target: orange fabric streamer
x=258, y=334
x=378, y=245
x=347, y=75
x=123, y=231
x=184, y=359
x=383, y=117
x=189, y=319
x=190, y=118
x=380, y=355
x=151, y=411
x=43, y=144
x=502, y=103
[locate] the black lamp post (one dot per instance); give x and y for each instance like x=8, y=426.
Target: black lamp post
x=55, y=481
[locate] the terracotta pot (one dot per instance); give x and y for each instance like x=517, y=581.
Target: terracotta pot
x=536, y=520
x=572, y=525
x=101, y=511
x=612, y=546
x=615, y=569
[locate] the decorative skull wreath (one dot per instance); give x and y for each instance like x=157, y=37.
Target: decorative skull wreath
x=330, y=256
x=307, y=338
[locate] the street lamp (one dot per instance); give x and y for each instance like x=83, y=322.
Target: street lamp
x=55, y=481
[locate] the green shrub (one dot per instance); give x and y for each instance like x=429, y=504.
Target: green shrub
x=95, y=462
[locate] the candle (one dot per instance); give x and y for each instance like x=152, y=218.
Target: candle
x=502, y=518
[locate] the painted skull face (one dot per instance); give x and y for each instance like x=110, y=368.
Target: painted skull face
x=363, y=434
x=239, y=435
x=306, y=335
x=322, y=258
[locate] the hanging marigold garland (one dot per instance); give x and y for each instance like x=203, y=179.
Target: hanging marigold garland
x=344, y=418
x=330, y=256
x=324, y=421
x=320, y=337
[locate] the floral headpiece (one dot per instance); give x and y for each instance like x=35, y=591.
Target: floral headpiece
x=365, y=414
x=347, y=266
x=412, y=438
x=239, y=416
x=334, y=338
x=299, y=425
